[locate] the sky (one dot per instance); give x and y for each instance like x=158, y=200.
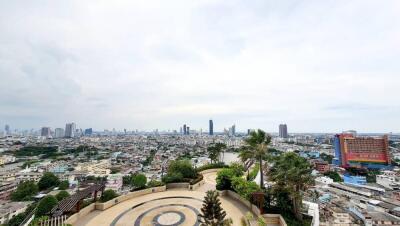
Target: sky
x=318, y=66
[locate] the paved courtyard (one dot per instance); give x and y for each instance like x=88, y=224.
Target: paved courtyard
x=173, y=207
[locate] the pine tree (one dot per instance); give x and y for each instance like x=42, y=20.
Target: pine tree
x=212, y=213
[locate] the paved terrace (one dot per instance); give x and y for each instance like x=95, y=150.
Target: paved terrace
x=173, y=207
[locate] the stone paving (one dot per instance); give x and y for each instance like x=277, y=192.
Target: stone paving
x=173, y=207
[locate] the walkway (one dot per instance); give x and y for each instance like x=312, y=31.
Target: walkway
x=172, y=207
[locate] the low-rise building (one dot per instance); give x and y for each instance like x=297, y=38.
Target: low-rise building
x=11, y=209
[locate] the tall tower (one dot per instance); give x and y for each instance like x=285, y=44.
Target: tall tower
x=70, y=130
x=211, y=127
x=7, y=129
x=184, y=129
x=283, y=131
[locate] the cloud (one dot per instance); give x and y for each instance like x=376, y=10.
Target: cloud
x=158, y=64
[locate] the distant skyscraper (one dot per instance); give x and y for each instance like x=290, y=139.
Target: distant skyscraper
x=233, y=130
x=187, y=130
x=89, y=131
x=283, y=131
x=181, y=130
x=70, y=130
x=7, y=129
x=184, y=129
x=45, y=132
x=59, y=132
x=211, y=127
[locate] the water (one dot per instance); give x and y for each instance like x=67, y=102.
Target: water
x=229, y=157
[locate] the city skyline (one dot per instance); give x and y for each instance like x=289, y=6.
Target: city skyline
x=317, y=66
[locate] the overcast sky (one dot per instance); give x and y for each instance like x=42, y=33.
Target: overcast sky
x=319, y=66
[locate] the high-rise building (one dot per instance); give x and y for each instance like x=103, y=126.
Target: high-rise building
x=283, y=131
x=59, y=132
x=233, y=130
x=184, y=129
x=211, y=127
x=70, y=130
x=7, y=130
x=367, y=152
x=45, y=132
x=187, y=130
x=89, y=131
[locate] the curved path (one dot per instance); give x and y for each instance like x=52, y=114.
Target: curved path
x=173, y=207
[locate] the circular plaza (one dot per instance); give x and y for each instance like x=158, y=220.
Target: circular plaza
x=172, y=207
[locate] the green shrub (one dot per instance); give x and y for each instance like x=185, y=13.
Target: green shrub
x=172, y=178
x=253, y=173
x=184, y=167
x=237, y=168
x=244, y=188
x=139, y=181
x=224, y=179
x=155, y=183
x=212, y=166
x=108, y=195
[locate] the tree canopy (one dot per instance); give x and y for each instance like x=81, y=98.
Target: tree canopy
x=25, y=191
x=48, y=180
x=292, y=173
x=62, y=195
x=256, y=148
x=45, y=205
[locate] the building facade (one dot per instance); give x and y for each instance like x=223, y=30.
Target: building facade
x=70, y=130
x=283, y=131
x=367, y=152
x=59, y=132
x=211, y=128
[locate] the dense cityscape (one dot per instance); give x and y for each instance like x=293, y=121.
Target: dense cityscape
x=199, y=113
x=355, y=178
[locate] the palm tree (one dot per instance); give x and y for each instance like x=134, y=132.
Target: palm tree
x=293, y=174
x=215, y=150
x=256, y=148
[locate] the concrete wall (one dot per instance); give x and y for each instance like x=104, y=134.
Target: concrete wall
x=130, y=195
x=195, y=186
x=85, y=211
x=178, y=185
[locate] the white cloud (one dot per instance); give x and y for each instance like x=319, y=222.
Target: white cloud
x=316, y=65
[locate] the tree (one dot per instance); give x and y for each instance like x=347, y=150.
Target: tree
x=62, y=195
x=212, y=213
x=108, y=195
x=244, y=188
x=45, y=205
x=48, y=180
x=224, y=179
x=184, y=167
x=215, y=150
x=334, y=176
x=16, y=220
x=238, y=168
x=256, y=148
x=292, y=173
x=25, y=191
x=139, y=181
x=63, y=185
